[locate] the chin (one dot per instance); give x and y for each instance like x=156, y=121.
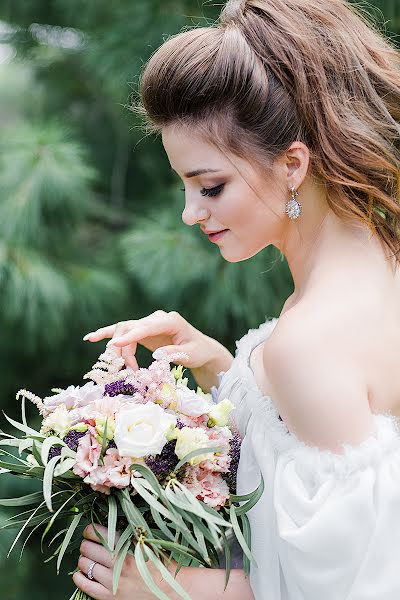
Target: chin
x=234, y=258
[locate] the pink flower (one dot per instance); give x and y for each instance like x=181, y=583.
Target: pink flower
x=114, y=473
x=206, y=486
x=87, y=455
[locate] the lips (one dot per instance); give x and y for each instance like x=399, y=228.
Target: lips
x=213, y=237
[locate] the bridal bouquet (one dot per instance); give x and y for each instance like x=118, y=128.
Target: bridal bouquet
x=140, y=452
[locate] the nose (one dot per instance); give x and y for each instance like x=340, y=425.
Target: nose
x=194, y=213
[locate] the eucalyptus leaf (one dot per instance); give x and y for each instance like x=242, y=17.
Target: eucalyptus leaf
x=70, y=532
x=112, y=522
x=145, y=573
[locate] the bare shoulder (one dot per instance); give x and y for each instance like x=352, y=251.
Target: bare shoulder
x=317, y=385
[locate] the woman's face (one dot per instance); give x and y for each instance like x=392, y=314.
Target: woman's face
x=234, y=196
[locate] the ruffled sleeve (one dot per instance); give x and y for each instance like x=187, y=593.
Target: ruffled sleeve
x=338, y=517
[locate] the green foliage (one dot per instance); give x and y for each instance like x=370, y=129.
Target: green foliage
x=90, y=217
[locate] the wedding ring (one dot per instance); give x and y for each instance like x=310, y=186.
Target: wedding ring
x=89, y=574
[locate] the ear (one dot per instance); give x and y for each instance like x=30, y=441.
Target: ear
x=296, y=161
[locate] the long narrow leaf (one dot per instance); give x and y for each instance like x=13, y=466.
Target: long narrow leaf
x=254, y=498
x=112, y=522
x=71, y=530
x=23, y=500
x=126, y=535
x=119, y=561
x=48, y=480
x=55, y=515
x=240, y=537
x=28, y=430
x=247, y=536
x=131, y=512
x=145, y=573
x=227, y=559
x=166, y=575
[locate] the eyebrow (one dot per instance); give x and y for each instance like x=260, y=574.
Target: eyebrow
x=198, y=172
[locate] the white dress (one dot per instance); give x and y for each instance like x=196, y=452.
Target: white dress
x=327, y=526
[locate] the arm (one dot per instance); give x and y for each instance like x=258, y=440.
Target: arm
x=208, y=584
x=318, y=386
x=220, y=360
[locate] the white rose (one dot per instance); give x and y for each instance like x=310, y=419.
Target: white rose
x=192, y=438
x=74, y=397
x=142, y=429
x=191, y=404
x=58, y=421
x=220, y=412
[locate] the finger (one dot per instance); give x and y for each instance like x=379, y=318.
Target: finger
x=96, y=552
x=89, y=533
x=100, y=334
x=100, y=573
x=146, y=327
x=128, y=354
x=93, y=589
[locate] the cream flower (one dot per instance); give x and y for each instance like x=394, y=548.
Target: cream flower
x=58, y=421
x=220, y=412
x=143, y=429
x=189, y=439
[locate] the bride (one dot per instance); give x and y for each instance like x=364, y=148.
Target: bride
x=282, y=120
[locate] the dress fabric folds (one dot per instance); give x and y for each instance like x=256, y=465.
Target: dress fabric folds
x=327, y=525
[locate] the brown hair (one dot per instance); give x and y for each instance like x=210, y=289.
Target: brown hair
x=274, y=71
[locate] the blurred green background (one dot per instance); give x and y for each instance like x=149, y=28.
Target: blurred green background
x=90, y=214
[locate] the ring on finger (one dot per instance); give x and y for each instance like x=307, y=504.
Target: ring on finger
x=89, y=573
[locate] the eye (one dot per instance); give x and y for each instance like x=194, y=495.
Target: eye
x=209, y=191
x=212, y=191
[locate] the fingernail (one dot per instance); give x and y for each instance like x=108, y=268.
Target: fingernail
x=87, y=336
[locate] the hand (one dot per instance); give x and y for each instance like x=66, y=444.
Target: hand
x=131, y=585
x=160, y=329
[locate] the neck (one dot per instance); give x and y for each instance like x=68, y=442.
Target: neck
x=318, y=244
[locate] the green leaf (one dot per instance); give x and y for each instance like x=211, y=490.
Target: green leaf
x=161, y=523
x=28, y=430
x=126, y=535
x=48, y=444
x=166, y=575
x=56, y=514
x=131, y=512
x=149, y=498
x=174, y=547
x=145, y=573
x=195, y=453
x=119, y=561
x=105, y=441
x=239, y=536
x=27, y=470
x=23, y=500
x=71, y=530
x=25, y=525
x=253, y=499
x=112, y=521
x=48, y=480
x=227, y=559
x=247, y=536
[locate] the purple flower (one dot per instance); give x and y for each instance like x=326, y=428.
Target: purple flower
x=162, y=464
x=54, y=451
x=72, y=439
x=234, y=453
x=119, y=387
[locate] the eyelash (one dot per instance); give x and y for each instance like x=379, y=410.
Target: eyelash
x=210, y=191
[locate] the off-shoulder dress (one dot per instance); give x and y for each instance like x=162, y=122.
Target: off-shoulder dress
x=327, y=526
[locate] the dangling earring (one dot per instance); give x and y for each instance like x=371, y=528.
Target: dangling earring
x=293, y=206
